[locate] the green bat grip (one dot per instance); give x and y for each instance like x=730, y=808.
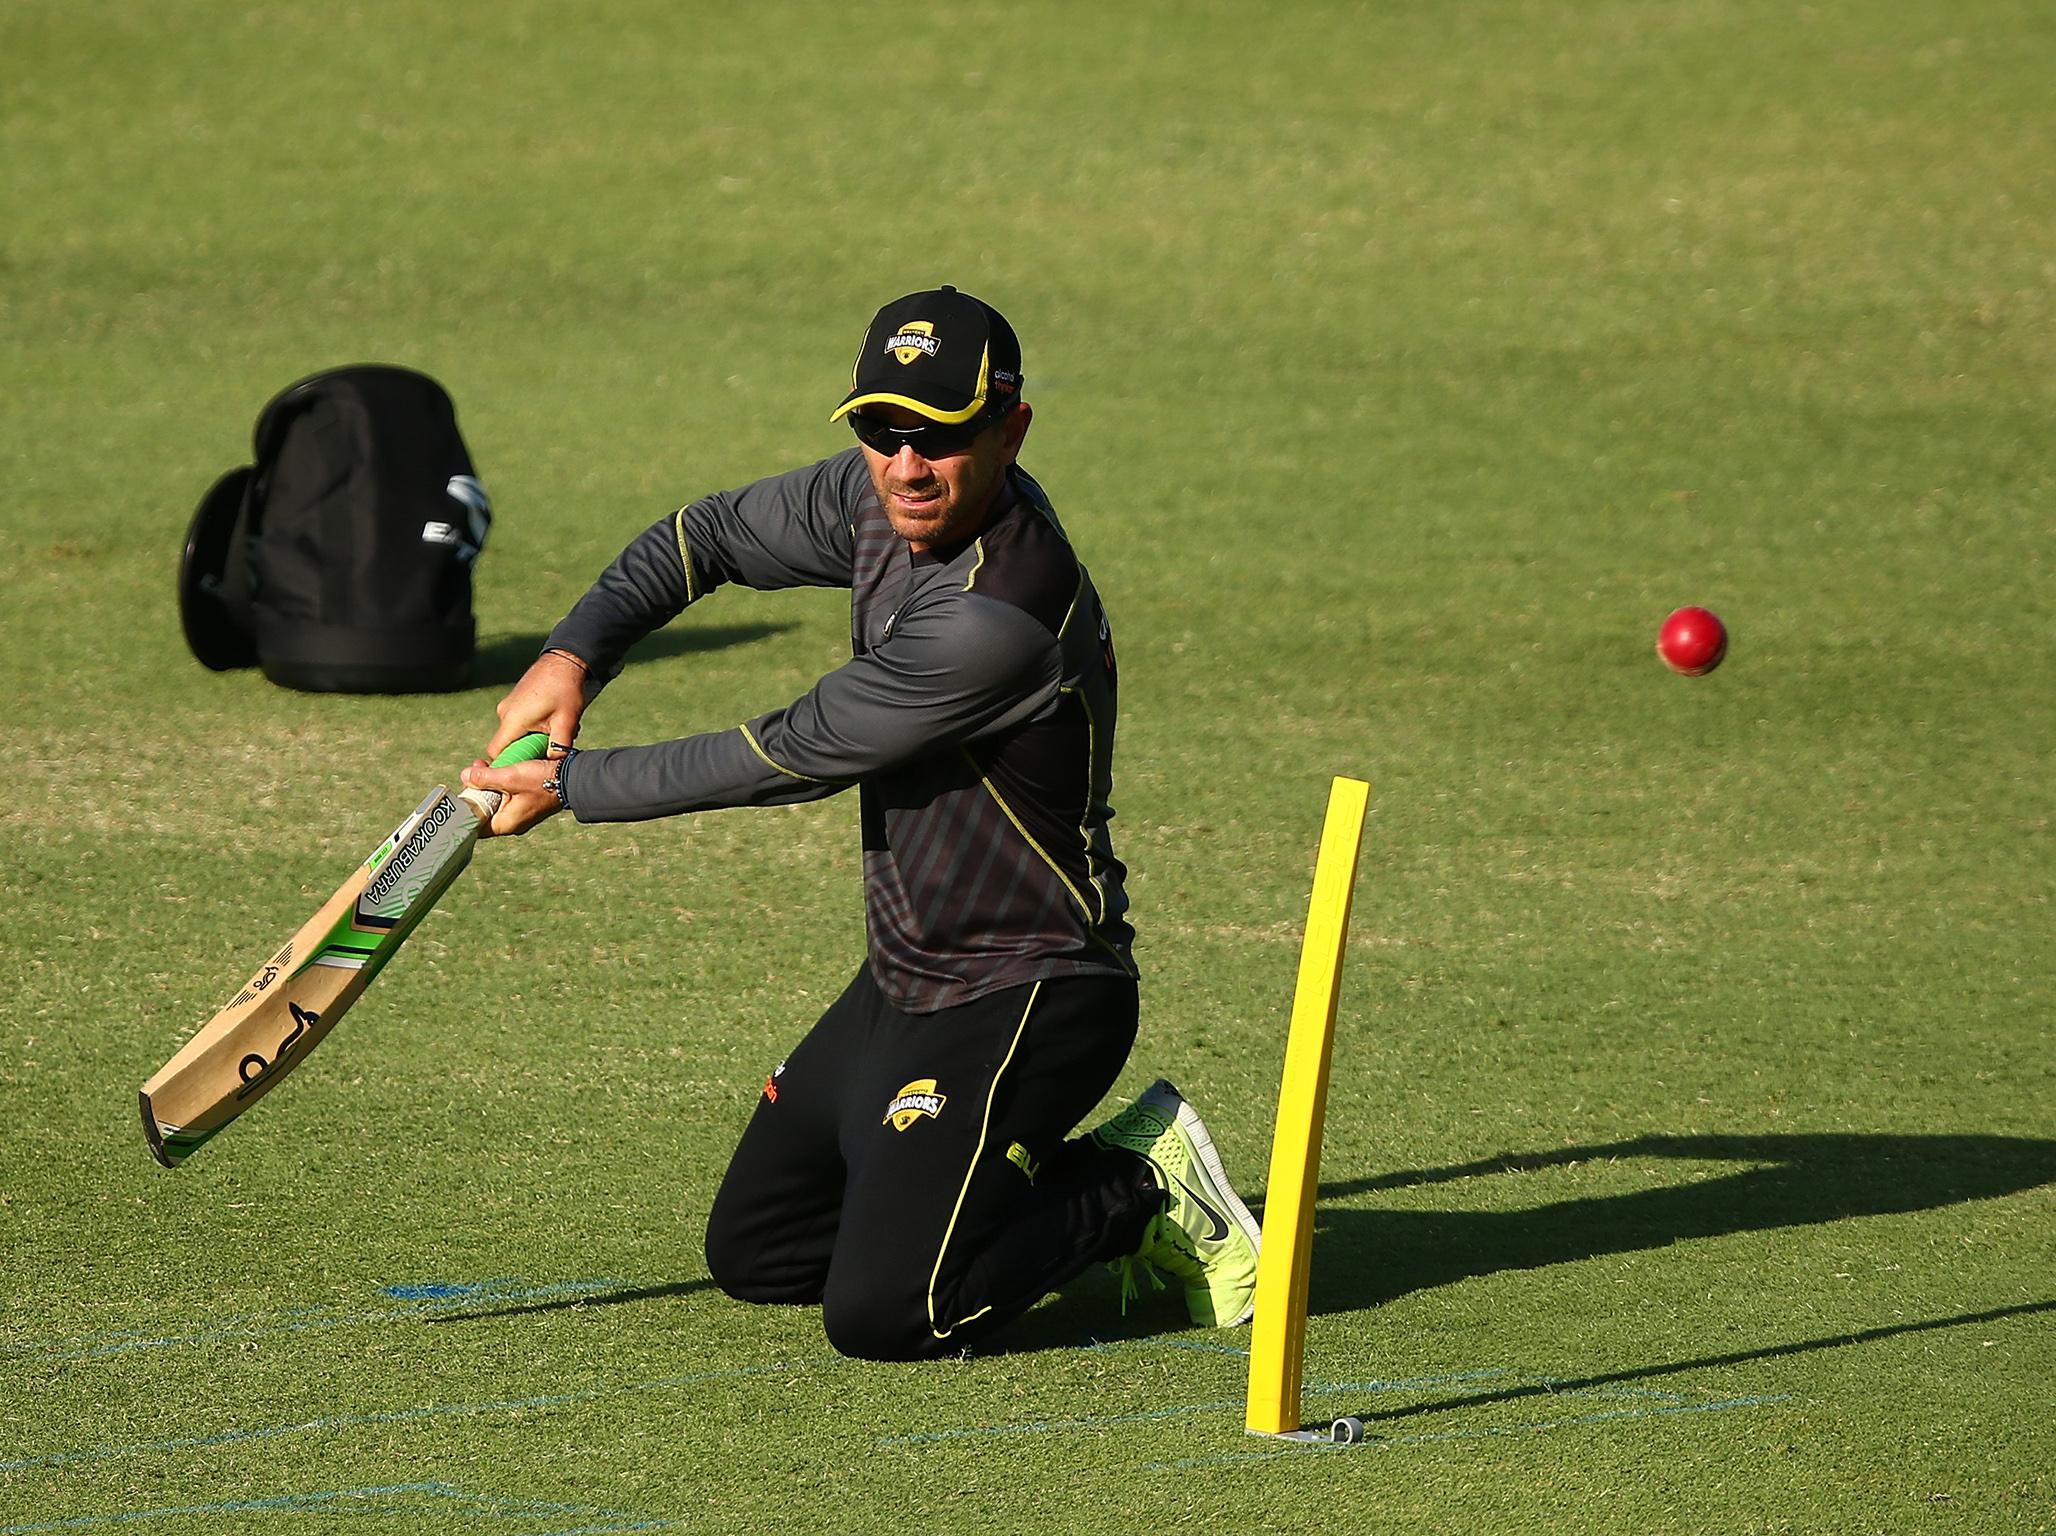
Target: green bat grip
x=523, y=749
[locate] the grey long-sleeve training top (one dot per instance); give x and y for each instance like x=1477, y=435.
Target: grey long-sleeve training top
x=976, y=713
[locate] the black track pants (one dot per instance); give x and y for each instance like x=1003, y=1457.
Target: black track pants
x=910, y=1171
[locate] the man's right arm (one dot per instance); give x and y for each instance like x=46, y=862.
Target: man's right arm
x=788, y=530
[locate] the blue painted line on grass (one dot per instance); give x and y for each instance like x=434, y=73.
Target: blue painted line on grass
x=443, y=1500
x=1495, y=1431
x=394, y=1416
x=435, y=1290
x=416, y=1302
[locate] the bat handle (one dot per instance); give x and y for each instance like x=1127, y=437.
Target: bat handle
x=484, y=803
x=523, y=749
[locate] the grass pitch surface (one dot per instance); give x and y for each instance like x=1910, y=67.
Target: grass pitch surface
x=1397, y=369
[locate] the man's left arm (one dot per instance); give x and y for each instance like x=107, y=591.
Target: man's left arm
x=954, y=670
x=786, y=530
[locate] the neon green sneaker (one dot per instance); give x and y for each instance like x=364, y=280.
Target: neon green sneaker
x=1204, y=1235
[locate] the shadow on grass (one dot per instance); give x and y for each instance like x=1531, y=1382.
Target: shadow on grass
x=1736, y=1357
x=1365, y=1258
x=500, y=663
x=1087, y=1312
x=569, y=1303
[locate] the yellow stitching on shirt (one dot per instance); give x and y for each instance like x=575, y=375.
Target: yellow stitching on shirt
x=1085, y=826
x=1072, y=612
x=685, y=559
x=1028, y=837
x=1084, y=908
x=971, y=580
x=757, y=747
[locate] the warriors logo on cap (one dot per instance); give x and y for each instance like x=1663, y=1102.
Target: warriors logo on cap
x=914, y=339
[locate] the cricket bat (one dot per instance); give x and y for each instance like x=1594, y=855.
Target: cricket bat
x=297, y=995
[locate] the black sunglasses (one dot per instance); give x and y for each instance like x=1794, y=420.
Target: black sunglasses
x=931, y=440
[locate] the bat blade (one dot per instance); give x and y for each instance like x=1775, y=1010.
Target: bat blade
x=297, y=996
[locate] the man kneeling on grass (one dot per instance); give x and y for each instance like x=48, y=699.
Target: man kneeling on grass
x=907, y=1167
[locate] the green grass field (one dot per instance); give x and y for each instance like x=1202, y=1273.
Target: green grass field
x=1397, y=368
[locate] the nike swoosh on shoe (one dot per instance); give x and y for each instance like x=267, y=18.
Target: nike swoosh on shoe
x=1220, y=1222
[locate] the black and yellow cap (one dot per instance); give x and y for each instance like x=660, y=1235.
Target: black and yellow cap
x=940, y=353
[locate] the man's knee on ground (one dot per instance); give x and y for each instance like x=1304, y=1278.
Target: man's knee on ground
x=728, y=1263
x=736, y=1263
x=881, y=1324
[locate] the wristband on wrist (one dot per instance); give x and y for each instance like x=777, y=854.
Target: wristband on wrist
x=555, y=782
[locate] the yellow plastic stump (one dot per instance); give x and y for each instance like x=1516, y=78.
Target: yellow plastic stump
x=1278, y=1336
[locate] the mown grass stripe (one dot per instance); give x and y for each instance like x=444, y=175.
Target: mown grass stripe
x=97, y=1453
x=259, y=1325
x=442, y=1499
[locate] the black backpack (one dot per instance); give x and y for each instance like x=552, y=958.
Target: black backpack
x=340, y=562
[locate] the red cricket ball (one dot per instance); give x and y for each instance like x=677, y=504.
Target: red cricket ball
x=1692, y=641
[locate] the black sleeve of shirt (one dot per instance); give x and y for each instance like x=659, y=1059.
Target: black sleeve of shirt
x=958, y=666
x=788, y=530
